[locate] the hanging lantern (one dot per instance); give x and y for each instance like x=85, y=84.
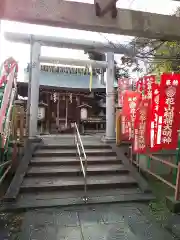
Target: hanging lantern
x=70, y=97
x=54, y=97
x=41, y=112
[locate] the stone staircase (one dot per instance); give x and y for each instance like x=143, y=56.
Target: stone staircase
x=54, y=177
x=103, y=171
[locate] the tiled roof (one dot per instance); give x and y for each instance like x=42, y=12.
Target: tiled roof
x=64, y=80
x=69, y=70
x=66, y=77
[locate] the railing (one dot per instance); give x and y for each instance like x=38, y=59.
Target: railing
x=82, y=157
x=175, y=186
x=8, y=85
x=18, y=120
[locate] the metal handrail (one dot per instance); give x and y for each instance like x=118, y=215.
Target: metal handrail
x=79, y=145
x=5, y=163
x=7, y=103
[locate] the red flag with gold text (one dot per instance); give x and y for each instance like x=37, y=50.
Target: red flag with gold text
x=154, y=117
x=141, y=139
x=131, y=101
x=169, y=108
x=139, y=85
x=125, y=127
x=123, y=85
x=148, y=82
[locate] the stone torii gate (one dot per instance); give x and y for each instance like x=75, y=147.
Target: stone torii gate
x=62, y=42
x=33, y=93
x=102, y=16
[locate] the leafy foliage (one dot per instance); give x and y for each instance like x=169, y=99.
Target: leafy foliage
x=170, y=57
x=122, y=72
x=161, y=55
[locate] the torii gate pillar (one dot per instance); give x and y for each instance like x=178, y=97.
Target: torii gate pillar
x=34, y=89
x=110, y=103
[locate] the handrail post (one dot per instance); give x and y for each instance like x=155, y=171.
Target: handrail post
x=177, y=190
x=85, y=187
x=80, y=150
x=75, y=140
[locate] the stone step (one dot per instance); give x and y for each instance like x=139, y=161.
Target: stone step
x=67, y=183
x=76, y=170
x=69, y=140
x=60, y=161
x=72, y=152
x=64, y=198
x=73, y=146
x=76, y=193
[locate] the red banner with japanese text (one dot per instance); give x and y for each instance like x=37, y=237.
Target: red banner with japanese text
x=123, y=84
x=125, y=127
x=139, y=85
x=148, y=82
x=154, y=117
x=131, y=101
x=142, y=127
x=169, y=108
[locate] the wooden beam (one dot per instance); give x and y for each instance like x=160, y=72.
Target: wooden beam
x=82, y=16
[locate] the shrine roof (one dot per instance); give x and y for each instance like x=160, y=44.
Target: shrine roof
x=65, y=80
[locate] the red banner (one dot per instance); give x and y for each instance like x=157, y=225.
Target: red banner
x=139, y=85
x=123, y=84
x=148, y=81
x=125, y=127
x=131, y=100
x=154, y=117
x=169, y=108
x=142, y=127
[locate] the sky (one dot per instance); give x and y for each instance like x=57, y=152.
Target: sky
x=21, y=52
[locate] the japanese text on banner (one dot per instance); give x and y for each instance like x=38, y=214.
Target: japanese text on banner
x=154, y=117
x=131, y=100
x=169, y=108
x=139, y=85
x=141, y=127
x=148, y=81
x=123, y=84
x=125, y=127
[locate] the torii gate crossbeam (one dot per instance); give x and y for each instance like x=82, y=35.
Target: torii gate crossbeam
x=82, y=16
x=62, y=42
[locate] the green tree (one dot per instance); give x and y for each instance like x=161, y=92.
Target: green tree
x=161, y=55
x=167, y=57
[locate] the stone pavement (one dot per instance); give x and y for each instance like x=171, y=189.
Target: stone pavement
x=173, y=224
x=92, y=222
